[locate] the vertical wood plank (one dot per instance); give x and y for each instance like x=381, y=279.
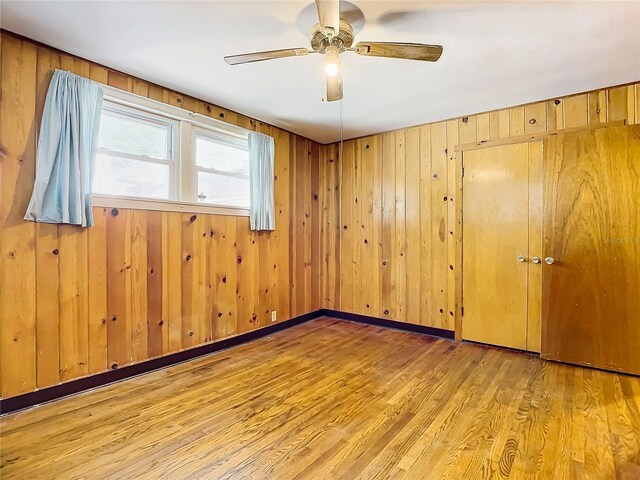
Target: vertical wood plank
x=306, y=225
x=193, y=273
x=97, y=275
x=138, y=292
x=173, y=226
x=347, y=230
x=400, y=244
x=555, y=114
x=413, y=257
x=315, y=219
x=576, y=111
x=298, y=227
x=140, y=87
x=223, y=275
x=484, y=126
x=388, y=303
x=377, y=214
x=265, y=278
x=47, y=305
x=494, y=125
x=334, y=227
x=426, y=180
x=439, y=208
x=245, y=279
x=504, y=123
x=120, y=80
x=324, y=230
x=516, y=121
x=74, y=306
x=230, y=305
x=155, y=275
x=468, y=131
x=617, y=104
x=356, y=226
x=535, y=118
x=281, y=235
x=118, y=288
x=17, y=252
x=454, y=225
x=368, y=254
x=597, y=107
x=166, y=311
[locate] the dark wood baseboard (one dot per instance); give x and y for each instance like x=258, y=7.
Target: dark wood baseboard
x=383, y=322
x=12, y=404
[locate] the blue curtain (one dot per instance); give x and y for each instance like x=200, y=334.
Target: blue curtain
x=64, y=157
x=261, y=167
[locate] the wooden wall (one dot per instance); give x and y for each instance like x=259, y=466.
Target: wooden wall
x=399, y=235
x=140, y=284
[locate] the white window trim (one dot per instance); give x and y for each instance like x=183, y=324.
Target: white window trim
x=172, y=147
x=184, y=121
x=135, y=203
x=198, y=131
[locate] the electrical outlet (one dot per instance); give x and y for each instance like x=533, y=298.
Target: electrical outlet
x=273, y=316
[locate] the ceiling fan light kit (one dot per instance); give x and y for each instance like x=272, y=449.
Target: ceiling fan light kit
x=331, y=37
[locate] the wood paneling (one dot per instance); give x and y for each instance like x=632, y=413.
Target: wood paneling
x=338, y=400
x=377, y=232
x=591, y=305
x=140, y=283
x=429, y=215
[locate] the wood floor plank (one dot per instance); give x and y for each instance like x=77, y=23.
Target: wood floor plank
x=336, y=399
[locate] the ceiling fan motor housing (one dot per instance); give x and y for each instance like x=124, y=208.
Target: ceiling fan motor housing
x=343, y=40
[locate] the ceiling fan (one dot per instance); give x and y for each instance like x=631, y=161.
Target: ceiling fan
x=333, y=36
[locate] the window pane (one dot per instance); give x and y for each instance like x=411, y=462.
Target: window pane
x=133, y=178
x=223, y=190
x=221, y=156
x=124, y=134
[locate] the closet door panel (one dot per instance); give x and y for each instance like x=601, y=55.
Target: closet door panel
x=591, y=293
x=495, y=232
x=534, y=288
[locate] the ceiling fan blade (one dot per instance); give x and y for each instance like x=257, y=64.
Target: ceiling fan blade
x=329, y=15
x=334, y=87
x=409, y=51
x=269, y=55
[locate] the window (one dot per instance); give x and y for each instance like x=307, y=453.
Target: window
x=135, y=155
x=221, y=168
x=156, y=156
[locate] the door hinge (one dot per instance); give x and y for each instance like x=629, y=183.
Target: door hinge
x=462, y=171
x=462, y=311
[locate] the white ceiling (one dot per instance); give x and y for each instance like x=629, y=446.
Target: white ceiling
x=495, y=55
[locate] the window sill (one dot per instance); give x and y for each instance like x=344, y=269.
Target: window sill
x=107, y=201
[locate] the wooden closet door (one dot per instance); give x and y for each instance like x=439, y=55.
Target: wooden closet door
x=495, y=234
x=591, y=293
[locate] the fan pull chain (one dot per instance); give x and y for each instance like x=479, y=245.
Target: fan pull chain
x=340, y=150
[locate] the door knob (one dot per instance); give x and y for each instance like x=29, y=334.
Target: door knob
x=521, y=258
x=549, y=260
x=536, y=260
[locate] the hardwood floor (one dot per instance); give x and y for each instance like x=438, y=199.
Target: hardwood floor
x=334, y=399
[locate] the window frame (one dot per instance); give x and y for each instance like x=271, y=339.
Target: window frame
x=172, y=127
x=183, y=171
x=212, y=135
